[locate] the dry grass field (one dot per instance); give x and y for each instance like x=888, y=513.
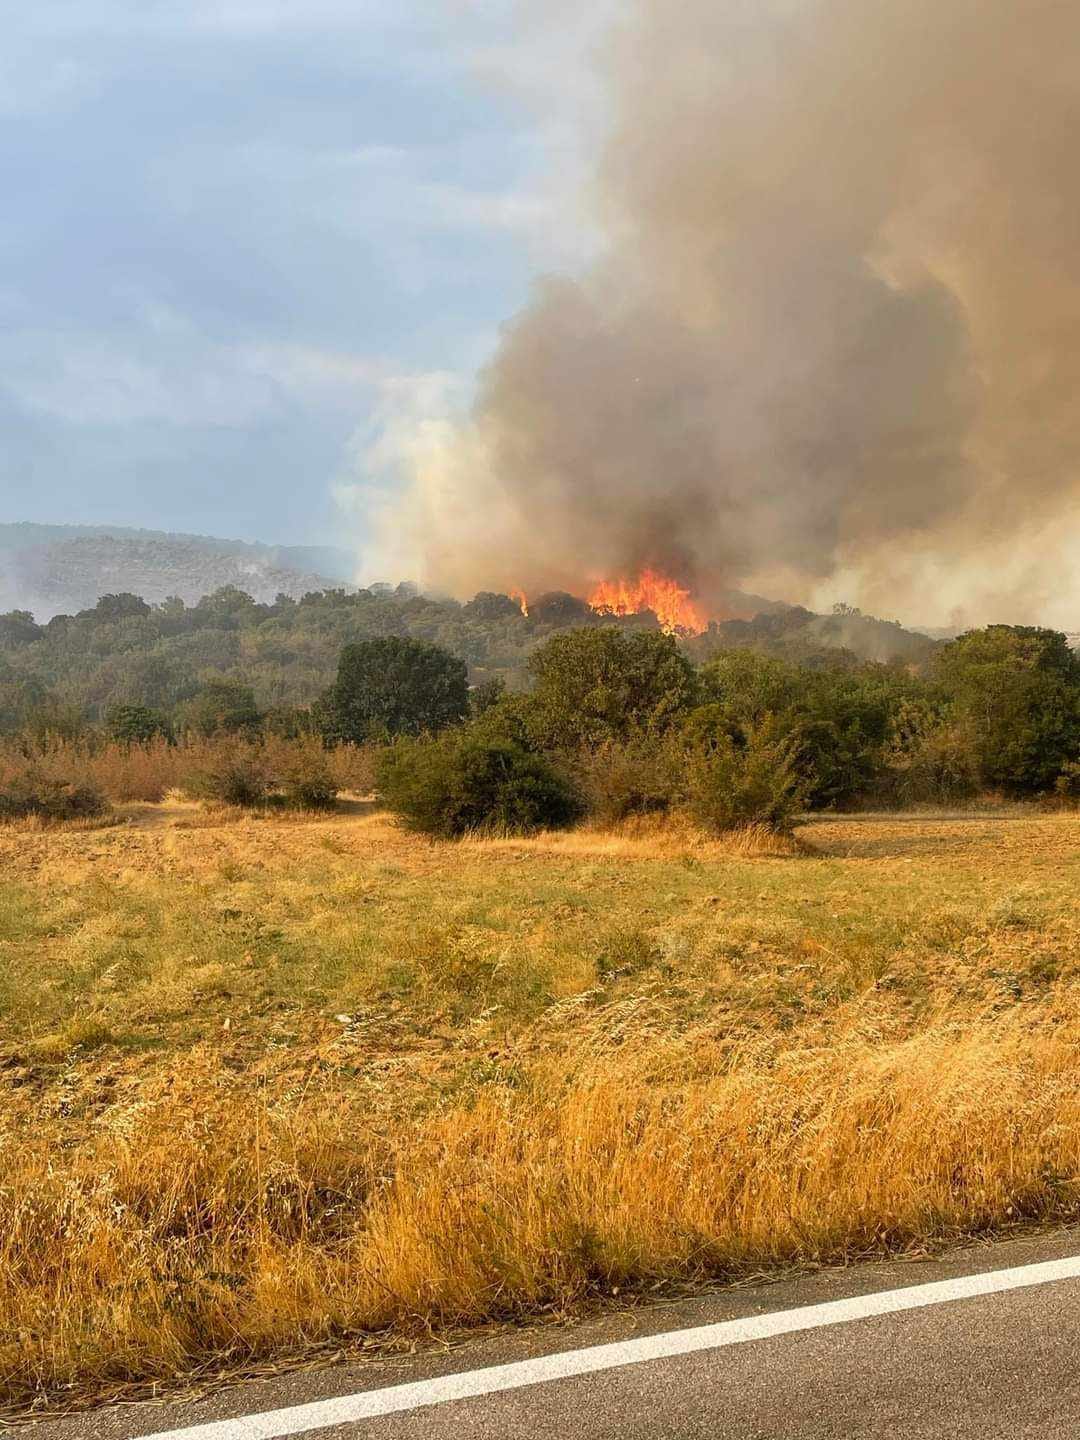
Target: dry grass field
x=274, y=1085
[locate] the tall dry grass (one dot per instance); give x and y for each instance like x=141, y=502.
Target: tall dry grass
x=125, y=773
x=208, y=1226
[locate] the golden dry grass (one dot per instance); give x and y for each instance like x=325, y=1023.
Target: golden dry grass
x=124, y=773
x=269, y=1087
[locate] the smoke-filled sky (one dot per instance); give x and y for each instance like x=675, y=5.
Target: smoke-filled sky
x=774, y=293
x=831, y=348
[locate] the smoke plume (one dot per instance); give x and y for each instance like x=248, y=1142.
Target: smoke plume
x=832, y=347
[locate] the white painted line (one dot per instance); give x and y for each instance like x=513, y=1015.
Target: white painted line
x=348, y=1409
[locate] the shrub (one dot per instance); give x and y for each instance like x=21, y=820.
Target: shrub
x=30, y=793
x=465, y=782
x=641, y=776
x=730, y=786
x=1017, y=690
x=352, y=767
x=302, y=774
x=939, y=767
x=229, y=775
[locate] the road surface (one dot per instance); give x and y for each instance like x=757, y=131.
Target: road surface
x=982, y=1343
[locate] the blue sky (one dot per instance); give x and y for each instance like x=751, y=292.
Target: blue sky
x=236, y=231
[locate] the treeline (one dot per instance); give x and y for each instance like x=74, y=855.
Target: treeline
x=69, y=674
x=617, y=722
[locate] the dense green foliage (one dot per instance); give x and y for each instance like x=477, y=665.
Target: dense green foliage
x=135, y=724
x=756, y=782
x=469, y=781
x=391, y=686
x=222, y=707
x=124, y=652
x=597, y=684
x=564, y=710
x=1016, y=692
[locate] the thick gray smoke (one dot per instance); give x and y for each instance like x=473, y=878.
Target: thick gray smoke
x=833, y=346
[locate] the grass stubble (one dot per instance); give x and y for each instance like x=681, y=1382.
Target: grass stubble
x=274, y=1087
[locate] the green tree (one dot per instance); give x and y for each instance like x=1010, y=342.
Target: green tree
x=392, y=686
x=135, y=724
x=486, y=696
x=602, y=684
x=1016, y=690
x=223, y=707
x=111, y=608
x=18, y=628
x=839, y=720
x=489, y=606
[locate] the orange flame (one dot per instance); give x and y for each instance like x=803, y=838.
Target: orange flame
x=669, y=601
x=522, y=600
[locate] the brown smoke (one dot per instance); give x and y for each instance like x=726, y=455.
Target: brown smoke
x=834, y=341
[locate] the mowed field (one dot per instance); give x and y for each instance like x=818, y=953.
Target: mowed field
x=271, y=1087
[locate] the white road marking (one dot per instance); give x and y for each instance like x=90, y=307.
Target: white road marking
x=348, y=1409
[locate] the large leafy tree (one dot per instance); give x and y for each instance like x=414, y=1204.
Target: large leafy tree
x=135, y=724
x=223, y=707
x=393, y=686
x=1016, y=690
x=17, y=628
x=111, y=608
x=604, y=683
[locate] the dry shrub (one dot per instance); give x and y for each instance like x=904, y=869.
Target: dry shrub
x=301, y=773
x=756, y=784
x=28, y=794
x=353, y=767
x=309, y=775
x=208, y=1226
x=121, y=772
x=228, y=772
x=622, y=778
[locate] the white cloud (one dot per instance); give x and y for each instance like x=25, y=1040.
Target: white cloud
x=84, y=380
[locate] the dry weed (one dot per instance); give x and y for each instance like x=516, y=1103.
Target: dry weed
x=266, y=1088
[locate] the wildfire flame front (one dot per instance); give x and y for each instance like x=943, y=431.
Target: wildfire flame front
x=669, y=601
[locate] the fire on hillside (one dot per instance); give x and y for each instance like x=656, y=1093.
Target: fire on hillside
x=671, y=603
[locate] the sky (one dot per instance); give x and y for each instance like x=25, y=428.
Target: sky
x=246, y=241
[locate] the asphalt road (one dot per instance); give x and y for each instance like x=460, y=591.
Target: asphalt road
x=997, y=1365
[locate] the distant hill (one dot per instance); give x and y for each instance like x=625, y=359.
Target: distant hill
x=55, y=569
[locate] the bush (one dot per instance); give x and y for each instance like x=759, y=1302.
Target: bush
x=1017, y=690
x=302, y=774
x=730, y=786
x=223, y=707
x=641, y=776
x=466, y=782
x=229, y=775
x=30, y=793
x=938, y=766
x=310, y=791
x=352, y=767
